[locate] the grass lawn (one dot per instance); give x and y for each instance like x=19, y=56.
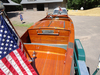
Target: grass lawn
x=22, y=25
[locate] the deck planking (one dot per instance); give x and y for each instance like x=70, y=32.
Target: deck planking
x=49, y=64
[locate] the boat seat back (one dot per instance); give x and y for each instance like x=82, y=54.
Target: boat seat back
x=55, y=37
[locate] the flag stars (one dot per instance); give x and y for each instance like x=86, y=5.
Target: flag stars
x=3, y=39
x=0, y=34
x=4, y=35
x=11, y=41
x=1, y=30
x=7, y=40
x=9, y=48
x=5, y=52
x=5, y=32
x=5, y=48
x=8, y=36
x=2, y=44
x=10, y=44
x=6, y=44
x=1, y=48
x=0, y=52
x=14, y=46
x=2, y=26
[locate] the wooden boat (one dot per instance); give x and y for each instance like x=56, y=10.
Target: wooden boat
x=50, y=42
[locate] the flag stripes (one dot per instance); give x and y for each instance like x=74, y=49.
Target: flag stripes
x=13, y=64
x=27, y=64
x=14, y=56
x=12, y=60
x=17, y=53
x=1, y=72
x=7, y=64
x=5, y=69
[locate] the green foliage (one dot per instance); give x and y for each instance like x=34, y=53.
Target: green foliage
x=17, y=1
x=18, y=7
x=23, y=25
x=77, y=4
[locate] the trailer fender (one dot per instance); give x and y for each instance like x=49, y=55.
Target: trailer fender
x=79, y=50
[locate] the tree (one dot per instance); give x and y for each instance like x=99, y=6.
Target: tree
x=17, y=1
x=18, y=7
x=77, y=4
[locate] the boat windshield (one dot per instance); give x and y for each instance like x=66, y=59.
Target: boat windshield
x=63, y=12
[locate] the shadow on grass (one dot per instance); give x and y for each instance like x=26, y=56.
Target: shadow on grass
x=12, y=14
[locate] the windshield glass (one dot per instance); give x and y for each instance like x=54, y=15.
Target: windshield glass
x=64, y=11
x=55, y=12
x=60, y=12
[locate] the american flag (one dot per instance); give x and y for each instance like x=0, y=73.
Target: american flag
x=12, y=59
x=14, y=34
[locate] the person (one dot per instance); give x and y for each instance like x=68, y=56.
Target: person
x=21, y=17
x=60, y=10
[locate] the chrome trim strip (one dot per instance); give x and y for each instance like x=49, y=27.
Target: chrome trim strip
x=50, y=24
x=64, y=24
x=37, y=24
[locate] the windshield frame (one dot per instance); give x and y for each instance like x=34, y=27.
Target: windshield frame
x=63, y=12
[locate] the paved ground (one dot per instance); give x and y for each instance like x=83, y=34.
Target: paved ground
x=28, y=16
x=87, y=29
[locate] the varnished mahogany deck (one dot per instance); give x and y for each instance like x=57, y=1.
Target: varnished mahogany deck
x=49, y=64
x=53, y=63
x=48, y=59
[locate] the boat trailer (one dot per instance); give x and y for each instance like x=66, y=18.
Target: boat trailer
x=79, y=60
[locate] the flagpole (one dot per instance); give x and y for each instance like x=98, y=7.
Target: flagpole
x=17, y=34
